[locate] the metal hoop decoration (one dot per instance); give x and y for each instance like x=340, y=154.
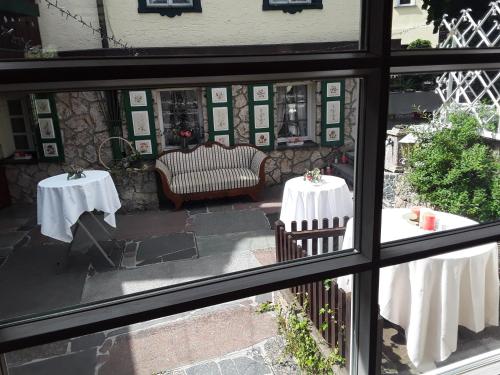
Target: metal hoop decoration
x=109, y=139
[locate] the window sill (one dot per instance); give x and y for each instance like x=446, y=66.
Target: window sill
x=306, y=145
x=11, y=161
x=292, y=8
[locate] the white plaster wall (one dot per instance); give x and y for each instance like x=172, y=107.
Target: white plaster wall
x=409, y=23
x=222, y=22
x=6, y=138
x=60, y=33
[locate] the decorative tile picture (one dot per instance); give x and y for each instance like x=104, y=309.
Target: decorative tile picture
x=221, y=119
x=46, y=128
x=260, y=93
x=262, y=139
x=333, y=112
x=144, y=147
x=138, y=99
x=224, y=139
x=140, y=122
x=42, y=106
x=50, y=150
x=261, y=116
x=333, y=89
x=219, y=95
x=333, y=134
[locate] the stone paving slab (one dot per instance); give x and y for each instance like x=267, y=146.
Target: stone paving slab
x=8, y=240
x=235, y=243
x=174, y=246
x=228, y=222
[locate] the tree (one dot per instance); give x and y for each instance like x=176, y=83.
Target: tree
x=437, y=8
x=453, y=169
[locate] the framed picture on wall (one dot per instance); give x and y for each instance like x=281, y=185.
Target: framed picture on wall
x=138, y=99
x=262, y=139
x=46, y=128
x=260, y=93
x=333, y=89
x=42, y=106
x=140, y=122
x=261, y=116
x=144, y=147
x=221, y=119
x=333, y=112
x=333, y=134
x=50, y=150
x=219, y=95
x=223, y=139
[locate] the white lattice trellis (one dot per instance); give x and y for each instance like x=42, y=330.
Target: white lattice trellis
x=475, y=91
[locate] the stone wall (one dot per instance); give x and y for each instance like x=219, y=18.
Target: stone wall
x=82, y=129
x=398, y=193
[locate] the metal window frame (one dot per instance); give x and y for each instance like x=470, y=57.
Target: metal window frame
x=374, y=63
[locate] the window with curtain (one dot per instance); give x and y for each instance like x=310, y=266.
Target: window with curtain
x=292, y=112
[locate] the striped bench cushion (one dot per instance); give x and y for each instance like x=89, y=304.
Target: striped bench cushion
x=209, y=158
x=214, y=180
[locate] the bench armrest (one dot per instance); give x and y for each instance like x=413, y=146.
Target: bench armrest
x=163, y=169
x=257, y=161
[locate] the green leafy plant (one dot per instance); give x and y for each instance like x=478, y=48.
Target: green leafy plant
x=453, y=169
x=295, y=326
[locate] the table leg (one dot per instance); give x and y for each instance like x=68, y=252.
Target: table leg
x=96, y=243
x=105, y=230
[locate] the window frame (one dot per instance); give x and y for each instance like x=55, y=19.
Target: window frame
x=411, y=4
x=29, y=131
x=157, y=96
x=169, y=10
x=374, y=64
x=311, y=113
x=290, y=7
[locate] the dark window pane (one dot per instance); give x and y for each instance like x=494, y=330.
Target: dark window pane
x=18, y=125
x=21, y=142
x=15, y=107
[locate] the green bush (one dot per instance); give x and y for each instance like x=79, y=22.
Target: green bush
x=453, y=169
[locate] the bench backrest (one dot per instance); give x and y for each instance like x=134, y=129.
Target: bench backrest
x=205, y=158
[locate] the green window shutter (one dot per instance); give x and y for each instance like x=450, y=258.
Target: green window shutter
x=261, y=115
x=140, y=117
x=332, y=113
x=50, y=145
x=220, y=115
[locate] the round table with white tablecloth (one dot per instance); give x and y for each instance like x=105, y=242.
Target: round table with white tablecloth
x=60, y=202
x=303, y=200
x=429, y=298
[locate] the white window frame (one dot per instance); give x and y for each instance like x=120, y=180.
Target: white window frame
x=411, y=4
x=311, y=113
x=169, y=4
x=289, y=2
x=157, y=96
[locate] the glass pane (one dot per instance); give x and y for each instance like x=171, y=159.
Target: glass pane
x=209, y=212
x=444, y=24
x=54, y=29
x=440, y=311
x=21, y=142
x=441, y=157
x=15, y=107
x=265, y=334
x=18, y=125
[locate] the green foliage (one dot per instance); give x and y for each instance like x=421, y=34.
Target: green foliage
x=453, y=169
x=295, y=326
x=437, y=8
x=419, y=43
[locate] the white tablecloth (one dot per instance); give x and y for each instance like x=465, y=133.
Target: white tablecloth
x=431, y=297
x=60, y=202
x=304, y=201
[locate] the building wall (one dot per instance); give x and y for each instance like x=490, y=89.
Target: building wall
x=409, y=23
x=7, y=146
x=222, y=22
x=61, y=33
